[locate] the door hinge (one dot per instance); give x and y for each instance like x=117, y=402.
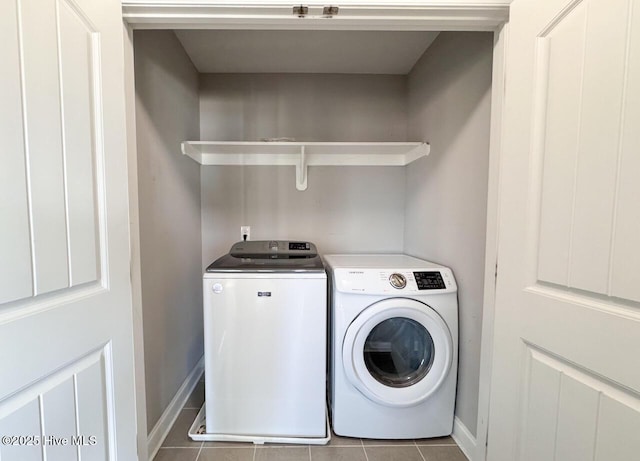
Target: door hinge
x=301, y=11
x=330, y=11
x=327, y=12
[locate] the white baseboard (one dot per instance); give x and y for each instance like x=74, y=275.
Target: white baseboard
x=170, y=414
x=465, y=440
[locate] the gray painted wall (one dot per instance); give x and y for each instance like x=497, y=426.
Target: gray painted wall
x=308, y=107
x=344, y=209
x=170, y=229
x=446, y=207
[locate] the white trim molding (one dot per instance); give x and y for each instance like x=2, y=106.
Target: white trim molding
x=171, y=413
x=371, y=15
x=466, y=441
x=491, y=247
x=134, y=230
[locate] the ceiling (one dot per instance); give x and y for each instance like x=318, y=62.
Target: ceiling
x=294, y=51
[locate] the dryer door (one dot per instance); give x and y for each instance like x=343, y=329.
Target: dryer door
x=397, y=352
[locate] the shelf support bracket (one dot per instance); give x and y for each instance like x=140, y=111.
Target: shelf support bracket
x=301, y=170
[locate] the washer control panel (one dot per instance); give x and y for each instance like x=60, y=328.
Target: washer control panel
x=395, y=281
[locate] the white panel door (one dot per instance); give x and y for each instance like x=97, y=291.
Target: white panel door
x=566, y=376
x=66, y=359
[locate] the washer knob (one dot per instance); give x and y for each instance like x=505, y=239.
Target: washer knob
x=397, y=281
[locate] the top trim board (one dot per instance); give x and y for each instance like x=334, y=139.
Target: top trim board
x=370, y=15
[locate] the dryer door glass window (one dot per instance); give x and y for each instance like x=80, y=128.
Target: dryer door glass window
x=398, y=352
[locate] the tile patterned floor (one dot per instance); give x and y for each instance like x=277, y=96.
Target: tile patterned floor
x=179, y=447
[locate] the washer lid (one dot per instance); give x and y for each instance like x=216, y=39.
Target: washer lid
x=397, y=352
x=269, y=256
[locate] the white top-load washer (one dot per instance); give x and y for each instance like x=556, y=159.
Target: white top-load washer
x=265, y=315
x=394, y=346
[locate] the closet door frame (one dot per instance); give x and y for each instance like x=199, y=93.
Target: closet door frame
x=460, y=15
x=389, y=15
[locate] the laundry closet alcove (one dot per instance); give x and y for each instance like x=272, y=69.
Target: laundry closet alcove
x=393, y=125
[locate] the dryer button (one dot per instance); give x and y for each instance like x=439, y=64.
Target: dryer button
x=217, y=288
x=397, y=281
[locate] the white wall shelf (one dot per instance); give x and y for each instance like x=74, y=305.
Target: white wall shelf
x=304, y=154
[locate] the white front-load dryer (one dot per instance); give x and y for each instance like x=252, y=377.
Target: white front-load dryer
x=394, y=346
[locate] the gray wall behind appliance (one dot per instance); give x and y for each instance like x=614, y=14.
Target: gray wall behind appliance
x=446, y=205
x=344, y=209
x=167, y=112
x=308, y=107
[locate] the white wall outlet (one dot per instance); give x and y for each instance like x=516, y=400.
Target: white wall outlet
x=245, y=232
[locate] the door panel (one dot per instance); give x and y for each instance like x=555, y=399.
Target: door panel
x=43, y=129
x=602, y=91
x=57, y=420
x=570, y=413
x=61, y=412
x=23, y=421
x=618, y=437
x=582, y=69
x=57, y=90
x=626, y=244
x=66, y=357
x=566, y=379
x=561, y=121
x=577, y=417
x=92, y=407
x=79, y=61
x=15, y=245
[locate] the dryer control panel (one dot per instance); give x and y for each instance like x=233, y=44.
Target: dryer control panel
x=430, y=280
x=398, y=281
